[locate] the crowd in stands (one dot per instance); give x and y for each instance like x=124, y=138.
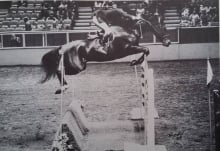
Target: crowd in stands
x=199, y=13
x=58, y=15
x=140, y=10
x=40, y=15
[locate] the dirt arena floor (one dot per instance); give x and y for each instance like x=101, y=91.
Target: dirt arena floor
x=30, y=112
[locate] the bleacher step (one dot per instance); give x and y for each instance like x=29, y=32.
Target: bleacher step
x=82, y=28
x=83, y=21
x=171, y=7
x=171, y=14
x=172, y=18
x=82, y=24
x=172, y=25
x=84, y=17
x=171, y=11
x=84, y=9
x=85, y=14
x=171, y=21
x=94, y=27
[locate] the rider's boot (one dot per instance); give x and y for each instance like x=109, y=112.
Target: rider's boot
x=101, y=48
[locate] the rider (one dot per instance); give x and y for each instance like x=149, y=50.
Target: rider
x=107, y=17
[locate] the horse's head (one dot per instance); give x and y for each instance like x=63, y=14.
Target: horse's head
x=152, y=25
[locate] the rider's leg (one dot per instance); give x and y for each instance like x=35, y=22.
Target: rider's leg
x=160, y=35
x=58, y=73
x=64, y=86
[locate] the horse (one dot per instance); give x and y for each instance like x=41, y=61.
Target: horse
x=76, y=54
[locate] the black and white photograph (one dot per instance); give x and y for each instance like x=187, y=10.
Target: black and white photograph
x=109, y=75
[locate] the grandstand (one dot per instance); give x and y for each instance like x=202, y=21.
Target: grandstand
x=13, y=14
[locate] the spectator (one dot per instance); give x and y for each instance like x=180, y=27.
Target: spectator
x=125, y=8
x=185, y=12
x=15, y=41
x=59, y=25
x=185, y=17
x=107, y=4
x=201, y=8
x=194, y=18
x=204, y=18
x=22, y=3
x=140, y=11
x=62, y=11
x=146, y=2
x=72, y=20
x=51, y=16
x=71, y=9
x=114, y=5
x=27, y=24
x=185, y=21
x=62, y=5
x=147, y=14
x=185, y=9
x=51, y=20
x=97, y=4
x=44, y=11
x=206, y=7
x=214, y=17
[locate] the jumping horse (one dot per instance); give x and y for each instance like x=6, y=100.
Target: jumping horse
x=123, y=42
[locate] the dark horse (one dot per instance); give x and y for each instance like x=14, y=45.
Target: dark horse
x=124, y=42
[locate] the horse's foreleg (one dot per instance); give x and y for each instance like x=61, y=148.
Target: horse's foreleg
x=138, y=49
x=64, y=86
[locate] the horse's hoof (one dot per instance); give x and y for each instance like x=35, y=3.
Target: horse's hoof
x=64, y=88
x=166, y=43
x=58, y=91
x=133, y=62
x=136, y=62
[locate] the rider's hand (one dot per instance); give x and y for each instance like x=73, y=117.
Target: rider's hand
x=135, y=18
x=107, y=32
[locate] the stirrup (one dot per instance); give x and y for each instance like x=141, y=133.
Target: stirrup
x=101, y=51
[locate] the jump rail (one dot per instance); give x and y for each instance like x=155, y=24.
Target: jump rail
x=149, y=114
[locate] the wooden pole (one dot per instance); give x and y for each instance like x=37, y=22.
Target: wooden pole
x=147, y=85
x=150, y=111
x=145, y=94
x=61, y=94
x=210, y=120
x=149, y=134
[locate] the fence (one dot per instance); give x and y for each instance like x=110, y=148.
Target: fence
x=33, y=39
x=216, y=95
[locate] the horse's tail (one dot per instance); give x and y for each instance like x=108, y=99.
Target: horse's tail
x=50, y=64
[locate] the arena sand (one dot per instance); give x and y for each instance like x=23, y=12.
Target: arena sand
x=30, y=111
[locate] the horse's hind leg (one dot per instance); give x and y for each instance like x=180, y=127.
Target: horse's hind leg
x=64, y=86
x=138, y=49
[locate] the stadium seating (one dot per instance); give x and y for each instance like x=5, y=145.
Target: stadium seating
x=84, y=19
x=171, y=17
x=12, y=18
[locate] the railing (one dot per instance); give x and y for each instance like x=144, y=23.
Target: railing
x=44, y=39
x=39, y=39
